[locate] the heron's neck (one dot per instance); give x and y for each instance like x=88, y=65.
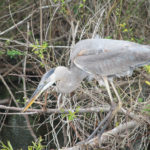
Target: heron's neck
x=77, y=74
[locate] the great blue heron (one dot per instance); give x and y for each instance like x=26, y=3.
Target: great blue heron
x=100, y=58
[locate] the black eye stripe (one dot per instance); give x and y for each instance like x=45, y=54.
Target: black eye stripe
x=48, y=74
x=54, y=84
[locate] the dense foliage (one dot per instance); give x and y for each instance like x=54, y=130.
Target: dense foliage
x=36, y=35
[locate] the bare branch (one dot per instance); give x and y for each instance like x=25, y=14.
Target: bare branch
x=30, y=44
x=9, y=90
x=58, y=111
x=18, y=24
x=105, y=137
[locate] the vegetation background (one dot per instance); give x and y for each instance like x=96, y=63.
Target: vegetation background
x=36, y=35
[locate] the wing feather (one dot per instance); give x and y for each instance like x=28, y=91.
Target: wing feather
x=109, y=63
x=107, y=57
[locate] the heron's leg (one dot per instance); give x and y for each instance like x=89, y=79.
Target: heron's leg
x=59, y=100
x=115, y=90
x=108, y=89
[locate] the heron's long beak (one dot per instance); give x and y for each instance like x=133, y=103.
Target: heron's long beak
x=36, y=94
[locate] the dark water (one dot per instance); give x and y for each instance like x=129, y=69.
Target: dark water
x=15, y=131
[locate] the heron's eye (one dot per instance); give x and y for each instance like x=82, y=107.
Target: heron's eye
x=54, y=84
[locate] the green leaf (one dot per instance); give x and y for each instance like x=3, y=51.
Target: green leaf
x=70, y=118
x=9, y=145
x=140, y=99
x=6, y=147
x=1, y=52
x=77, y=109
x=12, y=53
x=147, y=82
x=147, y=68
x=147, y=109
x=81, y=5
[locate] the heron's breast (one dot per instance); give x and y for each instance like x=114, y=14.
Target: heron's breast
x=66, y=87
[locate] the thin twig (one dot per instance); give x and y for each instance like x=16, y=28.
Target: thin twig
x=17, y=24
x=11, y=94
x=41, y=22
x=105, y=137
x=13, y=67
x=30, y=44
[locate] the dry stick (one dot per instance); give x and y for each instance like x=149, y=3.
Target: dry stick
x=114, y=132
x=92, y=18
x=23, y=77
x=29, y=127
x=81, y=110
x=41, y=21
x=98, y=24
x=41, y=42
x=13, y=98
x=101, y=123
x=4, y=101
x=104, y=138
x=14, y=41
x=30, y=45
x=24, y=64
x=20, y=113
x=105, y=121
x=109, y=116
x=11, y=94
x=74, y=31
x=4, y=118
x=130, y=114
x=41, y=33
x=57, y=111
x=113, y=113
x=52, y=17
x=45, y=103
x=1, y=77
x=11, y=16
x=65, y=137
x=15, y=66
x=24, y=85
x=126, y=112
x=17, y=24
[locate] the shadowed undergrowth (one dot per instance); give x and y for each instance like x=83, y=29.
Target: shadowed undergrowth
x=37, y=35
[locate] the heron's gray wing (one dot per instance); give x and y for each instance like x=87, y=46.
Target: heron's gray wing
x=110, y=63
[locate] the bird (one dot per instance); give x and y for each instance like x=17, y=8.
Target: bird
x=102, y=59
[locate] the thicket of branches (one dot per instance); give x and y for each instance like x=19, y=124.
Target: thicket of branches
x=37, y=35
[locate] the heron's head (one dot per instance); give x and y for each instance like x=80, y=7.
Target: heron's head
x=48, y=79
